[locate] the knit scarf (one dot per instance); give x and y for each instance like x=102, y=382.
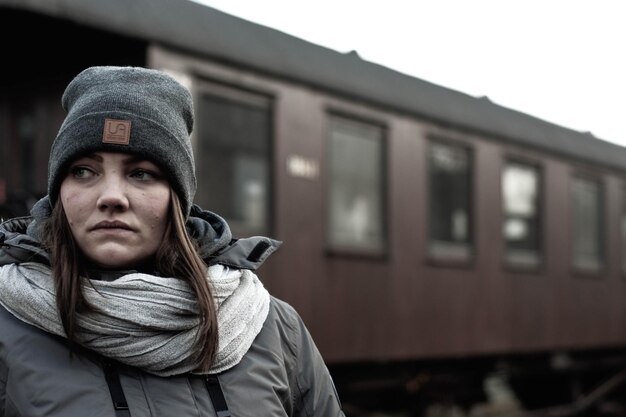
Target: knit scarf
x=142, y=320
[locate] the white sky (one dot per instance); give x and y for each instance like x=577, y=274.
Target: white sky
x=562, y=61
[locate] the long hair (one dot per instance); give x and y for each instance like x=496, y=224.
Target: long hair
x=176, y=257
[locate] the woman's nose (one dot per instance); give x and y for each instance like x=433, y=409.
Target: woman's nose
x=113, y=194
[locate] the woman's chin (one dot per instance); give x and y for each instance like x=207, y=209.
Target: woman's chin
x=117, y=258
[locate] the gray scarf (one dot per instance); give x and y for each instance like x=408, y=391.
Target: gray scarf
x=143, y=320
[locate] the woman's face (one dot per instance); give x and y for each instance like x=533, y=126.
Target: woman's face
x=117, y=208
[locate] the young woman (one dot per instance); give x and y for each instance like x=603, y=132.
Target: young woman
x=119, y=297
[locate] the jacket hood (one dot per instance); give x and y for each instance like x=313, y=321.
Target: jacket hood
x=20, y=239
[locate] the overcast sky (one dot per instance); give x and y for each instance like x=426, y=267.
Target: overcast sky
x=562, y=61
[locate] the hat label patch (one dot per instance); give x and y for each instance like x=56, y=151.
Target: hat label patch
x=116, y=131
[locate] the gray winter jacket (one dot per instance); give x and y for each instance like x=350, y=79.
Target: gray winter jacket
x=282, y=374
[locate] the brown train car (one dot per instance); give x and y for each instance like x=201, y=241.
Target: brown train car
x=405, y=252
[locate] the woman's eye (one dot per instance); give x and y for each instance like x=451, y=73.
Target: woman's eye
x=143, y=175
x=82, y=172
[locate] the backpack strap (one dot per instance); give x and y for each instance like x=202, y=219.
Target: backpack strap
x=115, y=388
x=121, y=406
x=217, y=396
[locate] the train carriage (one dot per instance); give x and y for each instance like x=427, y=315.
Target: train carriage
x=422, y=226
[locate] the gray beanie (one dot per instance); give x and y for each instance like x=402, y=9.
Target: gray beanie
x=127, y=109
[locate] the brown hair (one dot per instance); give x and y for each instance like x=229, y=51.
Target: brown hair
x=176, y=256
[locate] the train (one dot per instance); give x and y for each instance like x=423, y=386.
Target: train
x=436, y=244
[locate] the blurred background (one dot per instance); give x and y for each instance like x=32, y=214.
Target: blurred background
x=447, y=178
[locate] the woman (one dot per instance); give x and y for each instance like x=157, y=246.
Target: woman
x=109, y=308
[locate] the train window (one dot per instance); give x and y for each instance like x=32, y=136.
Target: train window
x=522, y=219
x=26, y=132
x=623, y=230
x=450, y=201
x=587, y=209
x=356, y=203
x=233, y=156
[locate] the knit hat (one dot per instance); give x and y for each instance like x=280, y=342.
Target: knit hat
x=127, y=109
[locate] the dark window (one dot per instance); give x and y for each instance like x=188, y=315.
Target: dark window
x=26, y=133
x=450, y=201
x=233, y=157
x=587, y=209
x=623, y=230
x=522, y=217
x=356, y=210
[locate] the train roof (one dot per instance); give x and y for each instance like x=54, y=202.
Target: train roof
x=208, y=32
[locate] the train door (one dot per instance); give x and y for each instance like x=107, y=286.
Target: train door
x=28, y=124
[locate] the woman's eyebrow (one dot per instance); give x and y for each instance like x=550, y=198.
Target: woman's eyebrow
x=94, y=156
x=134, y=158
x=131, y=158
